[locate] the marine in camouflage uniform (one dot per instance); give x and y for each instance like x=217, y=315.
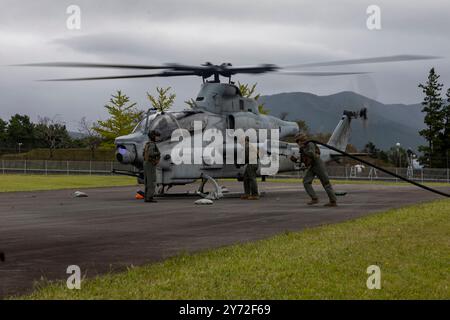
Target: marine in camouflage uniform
x=315, y=168
x=151, y=160
x=250, y=173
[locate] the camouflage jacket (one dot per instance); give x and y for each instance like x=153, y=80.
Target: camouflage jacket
x=310, y=153
x=151, y=152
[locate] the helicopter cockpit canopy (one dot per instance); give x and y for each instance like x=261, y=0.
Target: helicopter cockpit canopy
x=165, y=124
x=141, y=127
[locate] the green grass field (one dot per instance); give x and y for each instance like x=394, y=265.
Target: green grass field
x=411, y=246
x=19, y=182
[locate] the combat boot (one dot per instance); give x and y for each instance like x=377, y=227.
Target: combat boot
x=313, y=201
x=253, y=198
x=244, y=197
x=331, y=204
x=150, y=200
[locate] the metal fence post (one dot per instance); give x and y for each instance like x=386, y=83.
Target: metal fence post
x=67, y=167
x=3, y=166
x=25, y=167
x=90, y=167
x=46, y=167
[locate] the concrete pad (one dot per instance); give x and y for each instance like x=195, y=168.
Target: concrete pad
x=42, y=233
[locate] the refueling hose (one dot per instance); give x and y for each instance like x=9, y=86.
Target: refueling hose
x=381, y=169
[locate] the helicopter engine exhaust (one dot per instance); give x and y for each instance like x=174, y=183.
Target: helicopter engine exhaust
x=126, y=154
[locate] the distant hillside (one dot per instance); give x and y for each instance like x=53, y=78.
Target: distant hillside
x=387, y=124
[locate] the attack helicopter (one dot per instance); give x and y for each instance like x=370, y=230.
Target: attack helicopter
x=219, y=106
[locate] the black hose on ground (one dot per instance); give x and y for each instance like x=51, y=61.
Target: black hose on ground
x=381, y=169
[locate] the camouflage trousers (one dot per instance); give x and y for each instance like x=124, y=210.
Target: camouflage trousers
x=318, y=170
x=149, y=179
x=250, y=184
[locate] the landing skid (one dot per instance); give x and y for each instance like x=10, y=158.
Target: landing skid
x=214, y=195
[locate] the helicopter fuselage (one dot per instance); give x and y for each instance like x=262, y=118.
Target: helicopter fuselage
x=221, y=107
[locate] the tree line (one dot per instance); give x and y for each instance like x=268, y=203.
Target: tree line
x=19, y=132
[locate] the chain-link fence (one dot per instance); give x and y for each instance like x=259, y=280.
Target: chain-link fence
x=360, y=172
x=356, y=172
x=61, y=167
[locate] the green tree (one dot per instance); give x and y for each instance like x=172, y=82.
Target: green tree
x=91, y=138
x=371, y=149
x=3, y=133
x=20, y=130
x=124, y=116
x=163, y=101
x=52, y=134
x=248, y=91
x=446, y=132
x=303, y=126
x=397, y=157
x=191, y=103
x=384, y=157
x=434, y=120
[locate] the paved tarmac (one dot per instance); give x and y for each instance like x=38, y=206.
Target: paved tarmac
x=44, y=232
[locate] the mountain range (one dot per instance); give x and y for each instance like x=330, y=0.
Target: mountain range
x=387, y=124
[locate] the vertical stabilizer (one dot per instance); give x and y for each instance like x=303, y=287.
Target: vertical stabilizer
x=341, y=134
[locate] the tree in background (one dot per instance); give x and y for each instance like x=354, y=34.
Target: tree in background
x=3, y=133
x=446, y=132
x=371, y=149
x=91, y=137
x=303, y=127
x=20, y=130
x=397, y=157
x=52, y=134
x=433, y=108
x=248, y=91
x=376, y=153
x=163, y=101
x=191, y=103
x=124, y=116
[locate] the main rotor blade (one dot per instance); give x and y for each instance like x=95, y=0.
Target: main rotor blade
x=153, y=75
x=93, y=65
x=318, y=73
x=396, y=58
x=253, y=69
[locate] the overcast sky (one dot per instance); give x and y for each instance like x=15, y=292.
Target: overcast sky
x=241, y=32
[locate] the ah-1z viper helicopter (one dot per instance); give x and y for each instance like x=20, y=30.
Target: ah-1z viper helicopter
x=222, y=107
